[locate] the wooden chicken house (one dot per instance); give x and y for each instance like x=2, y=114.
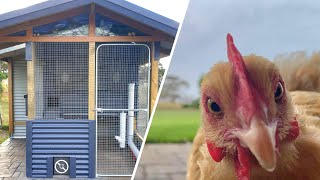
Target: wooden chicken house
x=83, y=77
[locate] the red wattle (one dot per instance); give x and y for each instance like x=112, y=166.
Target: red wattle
x=242, y=163
x=217, y=153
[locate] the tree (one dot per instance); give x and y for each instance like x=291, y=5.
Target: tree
x=161, y=72
x=3, y=72
x=200, y=80
x=196, y=102
x=172, y=87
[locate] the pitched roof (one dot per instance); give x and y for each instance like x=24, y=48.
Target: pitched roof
x=121, y=7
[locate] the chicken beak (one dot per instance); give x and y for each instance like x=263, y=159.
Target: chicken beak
x=260, y=139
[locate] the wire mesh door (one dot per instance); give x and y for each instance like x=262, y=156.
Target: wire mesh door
x=122, y=96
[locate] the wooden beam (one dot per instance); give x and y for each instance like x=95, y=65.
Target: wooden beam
x=154, y=79
x=80, y=39
x=30, y=76
x=92, y=21
x=92, y=81
x=10, y=95
x=134, y=24
x=43, y=20
x=29, y=33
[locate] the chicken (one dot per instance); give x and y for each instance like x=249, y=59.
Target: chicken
x=251, y=127
x=299, y=71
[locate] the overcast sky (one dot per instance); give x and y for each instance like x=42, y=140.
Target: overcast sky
x=266, y=28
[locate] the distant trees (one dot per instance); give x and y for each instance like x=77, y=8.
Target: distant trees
x=173, y=88
x=3, y=72
x=200, y=80
x=160, y=73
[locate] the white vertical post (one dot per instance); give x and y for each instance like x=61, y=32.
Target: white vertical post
x=131, y=106
x=131, y=144
x=122, y=138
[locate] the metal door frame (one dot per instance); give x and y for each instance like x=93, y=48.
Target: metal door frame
x=97, y=109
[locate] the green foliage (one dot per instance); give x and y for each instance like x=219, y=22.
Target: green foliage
x=161, y=72
x=200, y=80
x=5, y=127
x=4, y=133
x=172, y=88
x=4, y=106
x=174, y=126
x=3, y=72
x=193, y=105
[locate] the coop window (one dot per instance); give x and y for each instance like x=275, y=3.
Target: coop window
x=108, y=27
x=73, y=26
x=61, y=80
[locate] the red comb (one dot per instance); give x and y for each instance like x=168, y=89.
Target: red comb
x=235, y=58
x=242, y=84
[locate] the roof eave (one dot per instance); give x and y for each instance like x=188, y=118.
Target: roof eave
x=123, y=8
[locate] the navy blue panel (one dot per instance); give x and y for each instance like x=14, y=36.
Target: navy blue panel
x=50, y=167
x=28, y=51
x=47, y=139
x=92, y=149
x=29, y=148
x=73, y=167
x=157, y=51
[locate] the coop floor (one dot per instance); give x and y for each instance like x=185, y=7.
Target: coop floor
x=113, y=160
x=12, y=159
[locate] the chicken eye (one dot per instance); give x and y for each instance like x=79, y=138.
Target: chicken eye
x=213, y=107
x=279, y=92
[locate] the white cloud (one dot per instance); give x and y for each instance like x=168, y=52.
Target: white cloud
x=165, y=62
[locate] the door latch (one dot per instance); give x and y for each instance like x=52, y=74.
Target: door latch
x=98, y=110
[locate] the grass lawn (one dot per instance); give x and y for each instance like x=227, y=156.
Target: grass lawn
x=174, y=126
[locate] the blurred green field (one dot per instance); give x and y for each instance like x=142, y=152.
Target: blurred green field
x=174, y=126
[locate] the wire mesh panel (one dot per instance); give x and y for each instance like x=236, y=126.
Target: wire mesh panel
x=61, y=80
x=123, y=72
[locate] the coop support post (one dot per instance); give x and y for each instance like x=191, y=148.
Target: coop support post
x=122, y=138
x=155, y=57
x=30, y=77
x=131, y=144
x=10, y=96
x=91, y=81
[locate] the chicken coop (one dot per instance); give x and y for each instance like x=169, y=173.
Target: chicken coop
x=83, y=77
